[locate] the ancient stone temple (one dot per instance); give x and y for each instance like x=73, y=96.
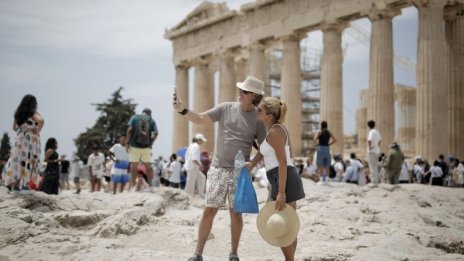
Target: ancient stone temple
x=213, y=38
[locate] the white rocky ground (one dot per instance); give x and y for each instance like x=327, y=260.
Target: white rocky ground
x=339, y=222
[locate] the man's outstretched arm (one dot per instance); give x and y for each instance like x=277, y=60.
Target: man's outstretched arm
x=199, y=118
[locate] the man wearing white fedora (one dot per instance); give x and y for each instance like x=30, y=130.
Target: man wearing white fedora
x=238, y=128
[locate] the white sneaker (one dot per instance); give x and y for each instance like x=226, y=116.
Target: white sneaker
x=372, y=185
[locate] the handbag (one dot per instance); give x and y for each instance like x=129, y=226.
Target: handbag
x=245, y=196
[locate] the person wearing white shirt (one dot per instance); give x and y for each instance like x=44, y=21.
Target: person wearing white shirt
x=339, y=168
x=373, y=141
x=97, y=166
x=76, y=169
x=119, y=171
x=310, y=171
x=196, y=181
x=404, y=174
x=351, y=174
x=458, y=173
x=355, y=162
x=418, y=171
x=435, y=174
x=175, y=168
x=357, y=167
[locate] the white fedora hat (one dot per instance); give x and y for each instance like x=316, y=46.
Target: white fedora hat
x=278, y=228
x=251, y=84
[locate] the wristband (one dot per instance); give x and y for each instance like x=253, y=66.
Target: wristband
x=183, y=112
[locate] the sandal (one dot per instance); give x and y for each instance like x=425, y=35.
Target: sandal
x=233, y=257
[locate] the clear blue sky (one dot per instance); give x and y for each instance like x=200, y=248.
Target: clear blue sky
x=70, y=54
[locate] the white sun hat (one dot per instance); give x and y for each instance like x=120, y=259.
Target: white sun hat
x=251, y=84
x=278, y=228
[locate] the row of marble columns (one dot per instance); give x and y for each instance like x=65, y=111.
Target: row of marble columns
x=439, y=87
x=231, y=71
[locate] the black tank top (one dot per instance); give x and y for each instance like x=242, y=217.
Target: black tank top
x=53, y=166
x=324, y=138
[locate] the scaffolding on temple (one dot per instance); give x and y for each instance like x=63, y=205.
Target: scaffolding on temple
x=310, y=59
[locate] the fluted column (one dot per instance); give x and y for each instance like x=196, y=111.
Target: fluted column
x=258, y=65
x=240, y=72
x=180, y=130
x=405, y=97
x=381, y=89
x=331, y=82
x=454, y=32
x=291, y=90
x=361, y=119
x=432, y=78
x=203, y=100
x=227, y=88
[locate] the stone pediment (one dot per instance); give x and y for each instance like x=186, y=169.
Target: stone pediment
x=205, y=12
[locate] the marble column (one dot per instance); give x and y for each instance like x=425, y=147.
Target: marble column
x=381, y=87
x=361, y=123
x=203, y=100
x=258, y=65
x=454, y=32
x=180, y=128
x=331, y=83
x=227, y=81
x=240, y=72
x=432, y=81
x=405, y=97
x=290, y=91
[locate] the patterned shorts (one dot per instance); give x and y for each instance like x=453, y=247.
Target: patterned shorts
x=220, y=188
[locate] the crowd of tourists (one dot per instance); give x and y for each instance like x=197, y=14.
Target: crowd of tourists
x=442, y=172
x=252, y=121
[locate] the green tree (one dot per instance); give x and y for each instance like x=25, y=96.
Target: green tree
x=112, y=122
x=5, y=148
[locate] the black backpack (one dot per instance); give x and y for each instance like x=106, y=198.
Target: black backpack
x=332, y=172
x=142, y=135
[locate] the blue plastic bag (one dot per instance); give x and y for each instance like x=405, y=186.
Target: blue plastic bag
x=245, y=196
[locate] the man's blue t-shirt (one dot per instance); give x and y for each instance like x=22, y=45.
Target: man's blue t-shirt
x=133, y=123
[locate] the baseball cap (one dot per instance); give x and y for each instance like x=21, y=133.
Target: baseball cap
x=200, y=136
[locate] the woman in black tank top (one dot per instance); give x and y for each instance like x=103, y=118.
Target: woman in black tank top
x=51, y=180
x=324, y=137
x=323, y=140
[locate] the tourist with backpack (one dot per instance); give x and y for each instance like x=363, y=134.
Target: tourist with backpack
x=337, y=170
x=141, y=133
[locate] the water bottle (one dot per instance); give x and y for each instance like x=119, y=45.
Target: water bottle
x=239, y=163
